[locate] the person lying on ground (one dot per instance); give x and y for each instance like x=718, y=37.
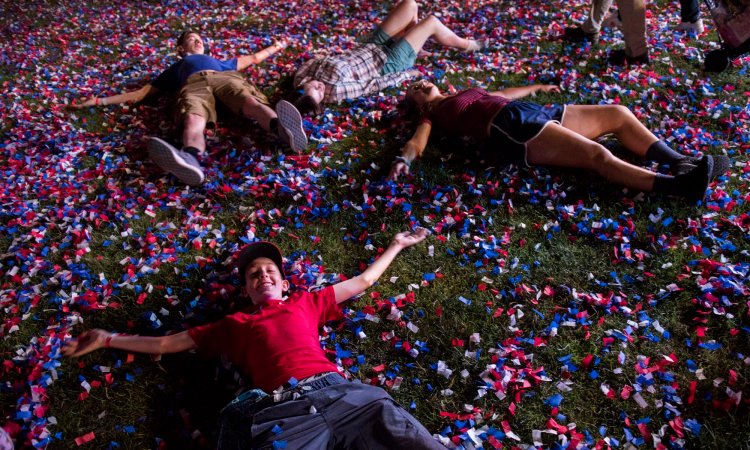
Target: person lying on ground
x=304, y=401
x=564, y=136
x=384, y=60
x=200, y=80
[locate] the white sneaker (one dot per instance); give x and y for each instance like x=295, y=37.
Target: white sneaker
x=691, y=27
x=290, y=126
x=612, y=20
x=181, y=164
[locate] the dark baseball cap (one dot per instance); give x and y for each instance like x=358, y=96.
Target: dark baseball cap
x=260, y=249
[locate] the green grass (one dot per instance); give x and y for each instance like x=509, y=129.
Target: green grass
x=172, y=398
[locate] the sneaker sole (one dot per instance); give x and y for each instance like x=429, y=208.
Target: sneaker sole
x=166, y=157
x=291, y=121
x=721, y=165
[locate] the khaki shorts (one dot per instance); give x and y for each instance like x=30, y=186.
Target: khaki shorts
x=199, y=94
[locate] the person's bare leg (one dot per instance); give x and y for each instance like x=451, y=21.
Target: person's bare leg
x=432, y=27
x=594, y=121
x=263, y=114
x=561, y=147
x=192, y=132
x=401, y=18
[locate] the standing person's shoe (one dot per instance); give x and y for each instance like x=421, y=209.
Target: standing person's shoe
x=576, y=34
x=181, y=164
x=619, y=58
x=691, y=27
x=290, y=126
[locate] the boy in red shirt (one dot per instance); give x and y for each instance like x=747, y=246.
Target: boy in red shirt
x=304, y=402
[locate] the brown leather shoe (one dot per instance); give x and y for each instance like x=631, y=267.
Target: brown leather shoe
x=619, y=58
x=576, y=34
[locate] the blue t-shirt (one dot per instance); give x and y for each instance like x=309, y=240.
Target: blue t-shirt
x=175, y=76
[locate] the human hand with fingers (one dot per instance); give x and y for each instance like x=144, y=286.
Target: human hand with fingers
x=398, y=168
x=407, y=239
x=549, y=88
x=86, y=342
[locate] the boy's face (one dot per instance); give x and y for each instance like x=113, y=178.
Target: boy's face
x=263, y=281
x=192, y=44
x=315, y=89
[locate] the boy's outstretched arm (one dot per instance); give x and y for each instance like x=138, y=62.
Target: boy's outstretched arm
x=243, y=62
x=349, y=288
x=95, y=339
x=132, y=96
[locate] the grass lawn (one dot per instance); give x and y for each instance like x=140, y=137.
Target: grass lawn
x=548, y=309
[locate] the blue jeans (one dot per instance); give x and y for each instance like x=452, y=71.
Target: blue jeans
x=689, y=10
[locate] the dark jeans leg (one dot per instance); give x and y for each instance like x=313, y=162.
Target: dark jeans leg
x=689, y=10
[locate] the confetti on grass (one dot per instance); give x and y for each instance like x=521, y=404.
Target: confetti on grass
x=78, y=194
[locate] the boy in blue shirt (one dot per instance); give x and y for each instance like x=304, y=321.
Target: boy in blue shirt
x=200, y=80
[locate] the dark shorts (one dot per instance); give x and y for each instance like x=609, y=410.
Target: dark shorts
x=330, y=412
x=517, y=124
x=400, y=54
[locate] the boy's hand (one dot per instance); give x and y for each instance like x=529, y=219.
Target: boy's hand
x=407, y=238
x=86, y=343
x=282, y=43
x=550, y=88
x=398, y=169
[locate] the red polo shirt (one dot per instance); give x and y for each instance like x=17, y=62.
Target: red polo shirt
x=275, y=342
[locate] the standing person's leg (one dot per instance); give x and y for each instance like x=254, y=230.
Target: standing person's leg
x=590, y=28
x=597, y=13
x=633, y=14
x=689, y=10
x=690, y=15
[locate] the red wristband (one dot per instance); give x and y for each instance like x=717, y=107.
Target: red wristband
x=108, y=341
x=96, y=101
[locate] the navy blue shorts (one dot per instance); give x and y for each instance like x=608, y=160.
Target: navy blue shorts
x=329, y=412
x=518, y=123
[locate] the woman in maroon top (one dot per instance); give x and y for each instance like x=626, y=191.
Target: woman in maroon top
x=531, y=134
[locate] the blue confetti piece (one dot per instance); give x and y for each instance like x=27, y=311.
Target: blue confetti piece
x=554, y=401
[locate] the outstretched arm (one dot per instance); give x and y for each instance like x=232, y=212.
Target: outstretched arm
x=523, y=91
x=132, y=96
x=412, y=150
x=354, y=286
x=95, y=339
x=243, y=62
